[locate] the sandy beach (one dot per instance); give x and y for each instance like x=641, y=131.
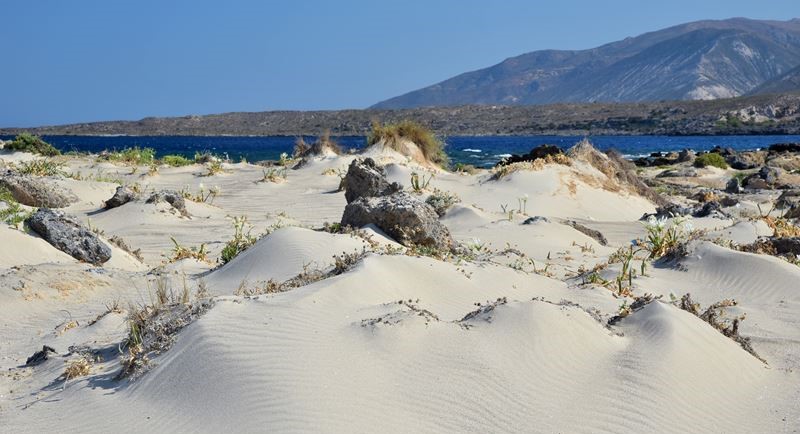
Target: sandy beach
x=530, y=297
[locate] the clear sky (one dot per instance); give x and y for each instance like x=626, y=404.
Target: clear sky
x=66, y=61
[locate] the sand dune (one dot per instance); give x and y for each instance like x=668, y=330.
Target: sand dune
x=507, y=333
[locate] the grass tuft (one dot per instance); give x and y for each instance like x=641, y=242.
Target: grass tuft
x=391, y=134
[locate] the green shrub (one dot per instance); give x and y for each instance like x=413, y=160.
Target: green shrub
x=710, y=159
x=430, y=145
x=134, y=156
x=240, y=242
x=176, y=160
x=34, y=144
x=44, y=167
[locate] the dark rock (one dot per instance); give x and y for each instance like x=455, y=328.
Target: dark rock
x=755, y=183
x=733, y=186
x=122, y=196
x=725, y=152
x=746, y=160
x=171, y=197
x=536, y=219
x=710, y=208
x=784, y=147
x=686, y=156
x=592, y=233
x=683, y=172
x=728, y=201
x=402, y=216
x=39, y=356
x=366, y=179
x=770, y=174
x=66, y=234
x=541, y=151
x=34, y=191
x=790, y=202
x=670, y=210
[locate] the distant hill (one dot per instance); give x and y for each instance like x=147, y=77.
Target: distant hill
x=789, y=82
x=760, y=114
x=698, y=60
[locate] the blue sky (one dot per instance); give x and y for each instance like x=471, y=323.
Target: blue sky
x=81, y=60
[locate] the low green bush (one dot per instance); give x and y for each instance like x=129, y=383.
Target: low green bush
x=176, y=160
x=34, y=144
x=710, y=159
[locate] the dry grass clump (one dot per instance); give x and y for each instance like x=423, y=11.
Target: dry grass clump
x=341, y=264
x=152, y=328
x=274, y=174
x=391, y=134
x=715, y=315
x=119, y=242
x=78, y=367
x=504, y=170
x=782, y=227
x=323, y=143
x=180, y=252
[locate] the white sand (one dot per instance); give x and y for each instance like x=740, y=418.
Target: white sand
x=343, y=355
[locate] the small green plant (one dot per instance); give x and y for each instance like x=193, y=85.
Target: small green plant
x=43, y=167
x=663, y=238
x=180, y=252
x=273, y=174
x=241, y=239
x=202, y=195
x=441, y=201
x=419, y=185
x=392, y=134
x=213, y=167
x=176, y=160
x=710, y=159
x=135, y=156
x=12, y=214
x=34, y=144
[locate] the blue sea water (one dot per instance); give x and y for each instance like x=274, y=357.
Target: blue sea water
x=477, y=150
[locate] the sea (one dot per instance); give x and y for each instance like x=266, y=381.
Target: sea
x=480, y=151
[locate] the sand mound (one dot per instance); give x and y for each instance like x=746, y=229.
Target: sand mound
x=280, y=256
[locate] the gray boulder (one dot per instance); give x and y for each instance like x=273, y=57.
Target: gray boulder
x=733, y=186
x=122, y=196
x=402, y=216
x=746, y=160
x=171, y=197
x=366, y=179
x=789, y=201
x=686, y=156
x=38, y=192
x=66, y=234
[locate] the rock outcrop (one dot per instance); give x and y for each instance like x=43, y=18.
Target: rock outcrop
x=366, y=179
x=34, y=191
x=66, y=234
x=171, y=197
x=403, y=217
x=122, y=196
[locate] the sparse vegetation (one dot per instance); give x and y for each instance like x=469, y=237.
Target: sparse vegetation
x=40, y=167
x=176, y=160
x=273, y=174
x=504, y=170
x=180, y=252
x=241, y=239
x=12, y=213
x=663, y=238
x=391, y=134
x=34, y=144
x=710, y=159
x=441, y=201
x=213, y=167
x=418, y=185
x=135, y=156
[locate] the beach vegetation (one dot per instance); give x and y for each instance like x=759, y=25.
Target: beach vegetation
x=710, y=159
x=418, y=185
x=392, y=134
x=40, y=167
x=663, y=237
x=274, y=174
x=467, y=169
x=213, y=167
x=12, y=213
x=241, y=241
x=441, y=201
x=503, y=170
x=180, y=252
x=26, y=142
x=176, y=160
x=134, y=156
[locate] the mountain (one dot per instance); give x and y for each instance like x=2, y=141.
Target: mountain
x=789, y=82
x=698, y=60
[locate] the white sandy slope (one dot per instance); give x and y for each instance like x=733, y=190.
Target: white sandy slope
x=343, y=355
